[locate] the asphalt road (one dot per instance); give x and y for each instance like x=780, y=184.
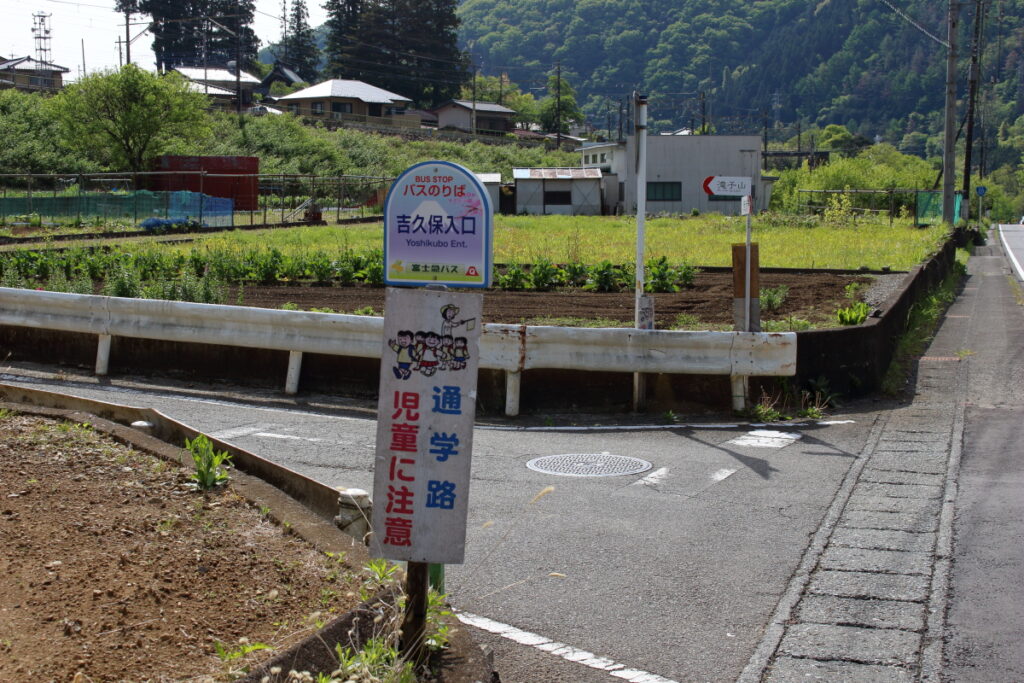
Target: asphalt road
x=671, y=572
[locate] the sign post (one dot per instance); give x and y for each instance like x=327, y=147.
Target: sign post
x=437, y=232
x=737, y=186
x=981, y=190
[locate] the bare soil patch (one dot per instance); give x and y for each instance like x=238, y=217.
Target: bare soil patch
x=812, y=296
x=115, y=569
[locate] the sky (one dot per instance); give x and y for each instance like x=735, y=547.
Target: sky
x=96, y=23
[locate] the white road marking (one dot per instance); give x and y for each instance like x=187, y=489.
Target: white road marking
x=722, y=475
x=271, y=435
x=1009, y=252
x=765, y=438
x=562, y=650
x=605, y=428
x=836, y=422
x=257, y=430
x=235, y=432
x=653, y=479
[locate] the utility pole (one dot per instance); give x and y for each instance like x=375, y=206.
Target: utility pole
x=127, y=37
x=764, y=156
x=703, y=114
x=949, y=137
x=971, y=100
x=558, y=105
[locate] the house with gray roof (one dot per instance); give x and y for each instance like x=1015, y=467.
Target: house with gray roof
x=491, y=118
x=31, y=75
x=222, y=85
x=340, y=100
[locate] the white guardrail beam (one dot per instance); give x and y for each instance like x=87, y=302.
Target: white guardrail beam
x=510, y=348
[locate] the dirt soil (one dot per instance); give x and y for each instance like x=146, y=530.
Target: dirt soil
x=115, y=570
x=812, y=296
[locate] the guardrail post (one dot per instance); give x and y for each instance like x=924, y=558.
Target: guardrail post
x=103, y=355
x=739, y=392
x=512, y=379
x=291, y=383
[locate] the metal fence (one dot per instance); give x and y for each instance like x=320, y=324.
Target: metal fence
x=40, y=201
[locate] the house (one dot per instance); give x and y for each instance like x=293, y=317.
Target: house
x=220, y=98
x=491, y=118
x=215, y=81
x=278, y=74
x=676, y=168
x=562, y=191
x=346, y=100
x=491, y=183
x=31, y=75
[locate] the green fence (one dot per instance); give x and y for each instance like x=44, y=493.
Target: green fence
x=928, y=206
x=131, y=207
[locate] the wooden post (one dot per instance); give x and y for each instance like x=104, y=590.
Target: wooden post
x=415, y=623
x=739, y=267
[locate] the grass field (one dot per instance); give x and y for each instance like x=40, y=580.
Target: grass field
x=785, y=241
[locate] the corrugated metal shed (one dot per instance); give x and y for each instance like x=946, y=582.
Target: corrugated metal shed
x=198, y=73
x=555, y=173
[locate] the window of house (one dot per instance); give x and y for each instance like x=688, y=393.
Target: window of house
x=341, y=107
x=317, y=108
x=604, y=157
x=664, y=192
x=557, y=197
x=293, y=108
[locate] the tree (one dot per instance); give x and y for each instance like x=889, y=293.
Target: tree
x=503, y=91
x=124, y=118
x=559, y=109
x=342, y=21
x=300, y=49
x=182, y=35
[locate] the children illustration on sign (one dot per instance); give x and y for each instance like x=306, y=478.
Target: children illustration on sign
x=426, y=352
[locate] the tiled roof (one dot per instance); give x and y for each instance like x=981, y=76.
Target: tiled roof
x=355, y=90
x=489, y=107
x=30, y=64
x=214, y=75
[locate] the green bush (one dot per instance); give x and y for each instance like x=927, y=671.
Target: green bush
x=853, y=315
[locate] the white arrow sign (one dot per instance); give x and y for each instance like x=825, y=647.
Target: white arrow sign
x=727, y=186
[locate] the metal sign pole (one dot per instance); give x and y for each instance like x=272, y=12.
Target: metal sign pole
x=639, y=390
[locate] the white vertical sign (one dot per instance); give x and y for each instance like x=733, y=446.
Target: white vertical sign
x=745, y=205
x=425, y=425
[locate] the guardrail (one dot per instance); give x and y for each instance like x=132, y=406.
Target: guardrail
x=509, y=348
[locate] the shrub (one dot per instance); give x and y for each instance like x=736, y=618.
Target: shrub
x=513, y=279
x=772, y=298
x=853, y=315
x=544, y=275
x=605, y=277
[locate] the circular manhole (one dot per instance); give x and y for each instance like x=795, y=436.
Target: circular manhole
x=588, y=465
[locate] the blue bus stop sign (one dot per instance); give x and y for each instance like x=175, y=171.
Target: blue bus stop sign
x=981, y=190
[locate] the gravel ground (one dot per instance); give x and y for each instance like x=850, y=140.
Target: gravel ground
x=882, y=288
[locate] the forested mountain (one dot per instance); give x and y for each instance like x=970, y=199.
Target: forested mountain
x=860, y=63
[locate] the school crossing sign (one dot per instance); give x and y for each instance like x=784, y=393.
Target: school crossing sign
x=438, y=228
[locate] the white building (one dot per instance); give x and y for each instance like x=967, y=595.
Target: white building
x=562, y=191
x=677, y=166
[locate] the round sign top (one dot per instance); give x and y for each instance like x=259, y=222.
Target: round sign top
x=981, y=190
x=438, y=226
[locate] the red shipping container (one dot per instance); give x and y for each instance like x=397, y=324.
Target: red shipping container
x=231, y=177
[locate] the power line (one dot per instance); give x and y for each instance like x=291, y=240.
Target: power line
x=903, y=15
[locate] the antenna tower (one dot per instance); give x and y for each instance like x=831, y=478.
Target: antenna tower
x=41, y=31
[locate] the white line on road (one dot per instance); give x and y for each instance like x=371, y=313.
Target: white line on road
x=257, y=430
x=564, y=651
x=1009, y=252
x=653, y=479
x=271, y=435
x=765, y=438
x=722, y=475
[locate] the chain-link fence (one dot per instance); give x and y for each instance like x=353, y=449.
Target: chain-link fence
x=128, y=200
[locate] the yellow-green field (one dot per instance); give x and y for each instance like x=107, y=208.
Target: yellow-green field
x=785, y=241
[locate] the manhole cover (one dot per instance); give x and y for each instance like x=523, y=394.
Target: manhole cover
x=588, y=465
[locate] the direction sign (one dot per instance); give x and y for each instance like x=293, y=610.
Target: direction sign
x=981, y=190
x=727, y=186
x=438, y=227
